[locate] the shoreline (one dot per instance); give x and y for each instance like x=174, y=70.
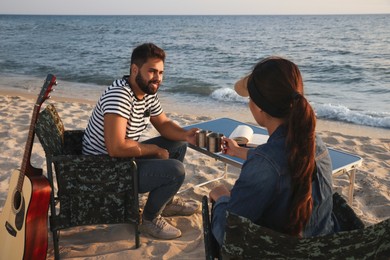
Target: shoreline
x=242, y=114
x=29, y=87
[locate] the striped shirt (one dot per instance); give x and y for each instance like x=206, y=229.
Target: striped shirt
x=119, y=99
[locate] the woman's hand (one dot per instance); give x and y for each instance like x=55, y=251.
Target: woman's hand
x=218, y=192
x=230, y=147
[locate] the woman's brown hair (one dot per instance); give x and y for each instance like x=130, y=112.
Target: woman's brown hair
x=279, y=83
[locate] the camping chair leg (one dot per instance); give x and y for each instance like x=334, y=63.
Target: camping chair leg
x=53, y=210
x=351, y=185
x=134, y=172
x=211, y=244
x=55, y=244
x=136, y=231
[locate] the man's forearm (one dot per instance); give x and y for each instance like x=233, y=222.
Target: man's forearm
x=135, y=149
x=172, y=131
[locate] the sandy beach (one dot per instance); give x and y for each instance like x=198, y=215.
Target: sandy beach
x=371, y=195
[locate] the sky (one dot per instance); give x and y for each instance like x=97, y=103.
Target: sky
x=193, y=7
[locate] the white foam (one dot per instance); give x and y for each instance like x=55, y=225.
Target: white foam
x=227, y=94
x=343, y=113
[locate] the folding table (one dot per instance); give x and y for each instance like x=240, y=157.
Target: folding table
x=342, y=162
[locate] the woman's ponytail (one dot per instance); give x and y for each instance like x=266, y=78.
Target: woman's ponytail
x=301, y=144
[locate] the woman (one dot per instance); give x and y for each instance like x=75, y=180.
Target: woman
x=285, y=184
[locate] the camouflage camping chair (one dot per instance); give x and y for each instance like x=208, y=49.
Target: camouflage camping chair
x=91, y=189
x=246, y=240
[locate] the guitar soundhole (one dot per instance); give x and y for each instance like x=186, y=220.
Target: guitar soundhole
x=17, y=200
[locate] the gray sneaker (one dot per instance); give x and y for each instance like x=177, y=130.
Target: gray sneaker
x=159, y=228
x=180, y=207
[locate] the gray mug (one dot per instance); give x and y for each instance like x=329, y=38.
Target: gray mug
x=214, y=142
x=201, y=138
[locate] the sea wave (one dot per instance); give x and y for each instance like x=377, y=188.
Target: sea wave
x=343, y=113
x=227, y=94
x=323, y=111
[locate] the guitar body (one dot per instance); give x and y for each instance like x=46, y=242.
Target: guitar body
x=20, y=238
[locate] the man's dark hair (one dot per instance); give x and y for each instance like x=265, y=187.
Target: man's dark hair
x=146, y=51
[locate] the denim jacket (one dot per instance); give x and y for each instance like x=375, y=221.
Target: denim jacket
x=262, y=193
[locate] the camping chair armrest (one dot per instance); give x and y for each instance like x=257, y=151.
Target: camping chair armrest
x=102, y=159
x=97, y=161
x=95, y=167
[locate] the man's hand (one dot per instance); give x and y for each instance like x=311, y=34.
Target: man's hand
x=191, y=135
x=162, y=153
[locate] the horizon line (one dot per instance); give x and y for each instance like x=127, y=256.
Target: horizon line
x=264, y=14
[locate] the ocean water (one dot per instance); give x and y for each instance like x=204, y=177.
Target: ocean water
x=344, y=59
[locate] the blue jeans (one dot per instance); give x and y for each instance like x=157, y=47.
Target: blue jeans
x=162, y=178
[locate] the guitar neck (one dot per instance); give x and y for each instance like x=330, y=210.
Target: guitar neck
x=27, y=168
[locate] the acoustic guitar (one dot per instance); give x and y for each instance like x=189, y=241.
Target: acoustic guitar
x=23, y=221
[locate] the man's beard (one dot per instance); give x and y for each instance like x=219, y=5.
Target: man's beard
x=146, y=86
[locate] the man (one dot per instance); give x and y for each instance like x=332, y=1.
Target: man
x=117, y=122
